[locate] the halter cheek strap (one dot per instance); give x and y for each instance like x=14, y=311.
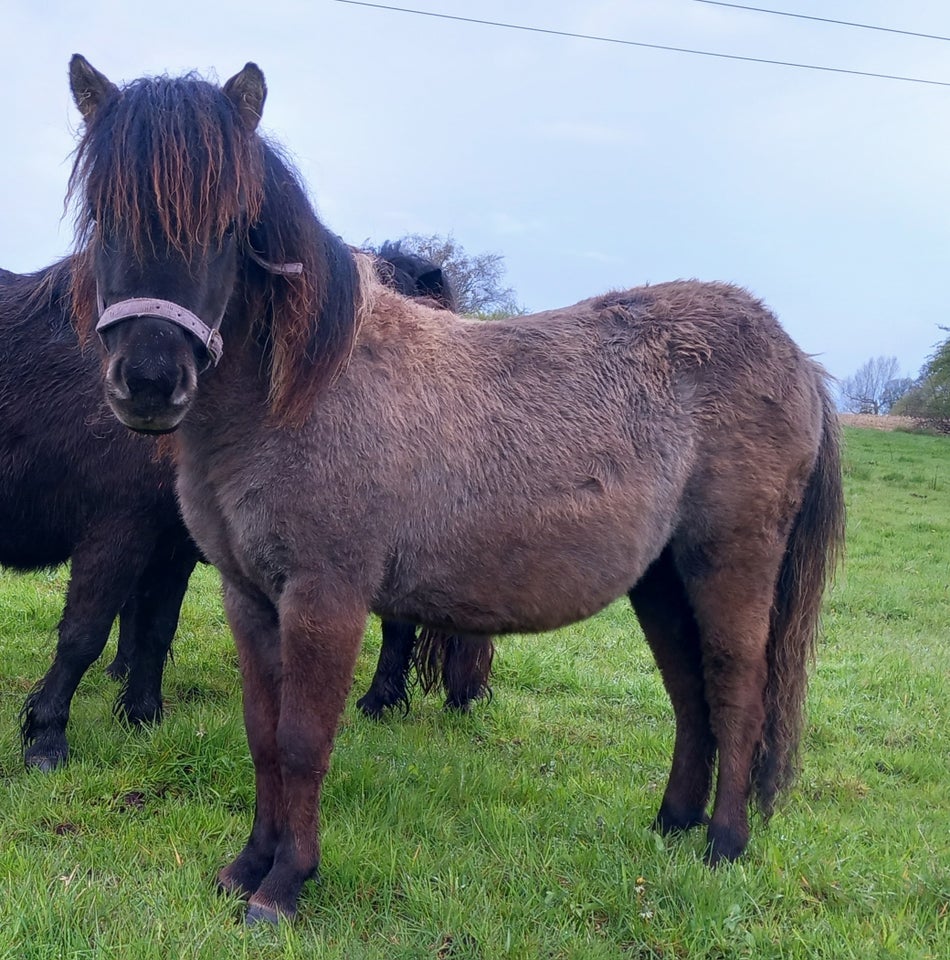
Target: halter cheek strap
x=166, y=310
x=282, y=269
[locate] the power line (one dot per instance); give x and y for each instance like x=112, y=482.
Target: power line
x=649, y=46
x=840, y=23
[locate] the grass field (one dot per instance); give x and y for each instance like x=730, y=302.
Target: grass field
x=520, y=830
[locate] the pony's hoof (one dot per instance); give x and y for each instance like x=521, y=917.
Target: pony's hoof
x=375, y=707
x=118, y=669
x=142, y=714
x=668, y=822
x=230, y=886
x=244, y=875
x=371, y=708
x=45, y=760
x=724, y=845
x=263, y=913
x=457, y=706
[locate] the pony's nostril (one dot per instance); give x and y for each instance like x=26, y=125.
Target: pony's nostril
x=116, y=379
x=144, y=377
x=184, y=386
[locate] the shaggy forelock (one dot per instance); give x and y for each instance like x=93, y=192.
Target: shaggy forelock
x=166, y=159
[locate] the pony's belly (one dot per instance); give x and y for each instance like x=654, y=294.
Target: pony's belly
x=525, y=590
x=516, y=608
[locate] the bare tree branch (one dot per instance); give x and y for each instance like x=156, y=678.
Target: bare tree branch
x=874, y=387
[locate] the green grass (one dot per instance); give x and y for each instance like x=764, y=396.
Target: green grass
x=520, y=830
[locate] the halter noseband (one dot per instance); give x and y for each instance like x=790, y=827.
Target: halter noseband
x=179, y=315
x=166, y=310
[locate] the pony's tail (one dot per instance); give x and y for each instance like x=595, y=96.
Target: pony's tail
x=814, y=547
x=461, y=661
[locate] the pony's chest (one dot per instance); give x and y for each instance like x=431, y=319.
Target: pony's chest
x=232, y=518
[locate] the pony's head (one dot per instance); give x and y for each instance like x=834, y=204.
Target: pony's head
x=414, y=275
x=186, y=216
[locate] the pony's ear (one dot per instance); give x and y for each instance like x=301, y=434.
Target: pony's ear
x=434, y=283
x=247, y=91
x=89, y=86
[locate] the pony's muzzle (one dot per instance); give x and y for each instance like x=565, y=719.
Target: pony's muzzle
x=149, y=396
x=151, y=375
x=141, y=380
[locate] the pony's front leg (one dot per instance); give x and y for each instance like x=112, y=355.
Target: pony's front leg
x=321, y=628
x=254, y=623
x=104, y=569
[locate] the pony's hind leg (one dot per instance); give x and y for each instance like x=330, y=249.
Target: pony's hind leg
x=320, y=636
x=256, y=631
x=660, y=603
x=118, y=669
x=389, y=686
x=731, y=600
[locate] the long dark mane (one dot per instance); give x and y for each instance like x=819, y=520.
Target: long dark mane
x=310, y=321
x=167, y=162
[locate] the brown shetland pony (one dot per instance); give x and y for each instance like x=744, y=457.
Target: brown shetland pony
x=668, y=442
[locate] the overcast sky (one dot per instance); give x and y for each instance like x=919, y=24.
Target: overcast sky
x=588, y=165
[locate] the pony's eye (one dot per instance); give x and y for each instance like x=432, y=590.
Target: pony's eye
x=229, y=230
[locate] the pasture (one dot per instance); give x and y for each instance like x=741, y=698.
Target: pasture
x=521, y=829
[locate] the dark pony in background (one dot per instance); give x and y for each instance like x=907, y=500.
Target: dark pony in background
x=414, y=276
x=75, y=485
x=461, y=661
x=669, y=443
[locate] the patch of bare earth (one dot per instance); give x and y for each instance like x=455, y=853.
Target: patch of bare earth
x=882, y=422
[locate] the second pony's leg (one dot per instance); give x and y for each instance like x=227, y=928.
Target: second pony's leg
x=660, y=603
x=102, y=573
x=389, y=685
x=156, y=606
x=466, y=668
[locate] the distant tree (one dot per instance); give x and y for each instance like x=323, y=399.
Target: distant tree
x=894, y=390
x=928, y=398
x=477, y=279
x=874, y=387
